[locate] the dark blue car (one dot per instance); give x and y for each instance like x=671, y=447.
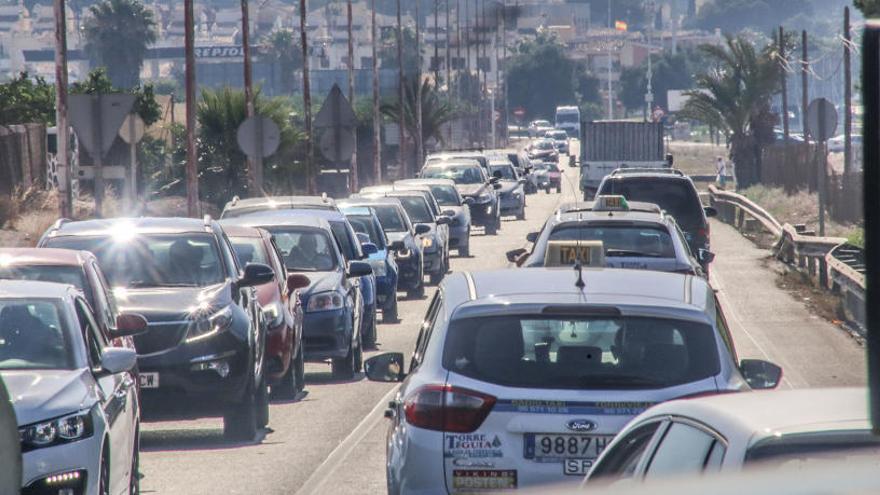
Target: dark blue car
x=379, y=255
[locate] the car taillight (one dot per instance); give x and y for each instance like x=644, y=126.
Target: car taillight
x=703, y=232
x=447, y=408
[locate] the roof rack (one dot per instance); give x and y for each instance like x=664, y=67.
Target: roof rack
x=207, y=220
x=58, y=223
x=647, y=170
x=235, y=200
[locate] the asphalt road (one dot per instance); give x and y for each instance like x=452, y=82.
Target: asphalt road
x=331, y=440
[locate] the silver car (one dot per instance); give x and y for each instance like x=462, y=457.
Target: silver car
x=452, y=205
x=75, y=396
x=520, y=378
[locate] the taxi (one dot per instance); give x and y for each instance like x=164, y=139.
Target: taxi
x=521, y=378
x=632, y=234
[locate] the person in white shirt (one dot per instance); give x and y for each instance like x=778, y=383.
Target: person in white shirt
x=721, y=170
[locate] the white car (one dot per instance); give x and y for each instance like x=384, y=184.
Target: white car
x=727, y=433
x=520, y=378
x=537, y=128
x=75, y=397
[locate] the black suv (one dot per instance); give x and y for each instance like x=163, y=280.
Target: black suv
x=671, y=190
x=203, y=354
x=475, y=186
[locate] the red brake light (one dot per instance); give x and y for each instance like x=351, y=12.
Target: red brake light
x=703, y=231
x=447, y=408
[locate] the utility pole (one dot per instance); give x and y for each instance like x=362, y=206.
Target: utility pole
x=377, y=117
x=436, y=62
x=401, y=93
x=448, y=38
x=419, y=138
x=458, y=36
x=649, y=93
x=467, y=36
x=192, y=171
x=311, y=183
x=255, y=163
x=65, y=200
x=353, y=175
x=805, y=95
x=504, y=61
x=784, y=82
x=847, y=98
x=610, y=94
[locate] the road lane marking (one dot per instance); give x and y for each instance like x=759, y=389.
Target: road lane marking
x=325, y=470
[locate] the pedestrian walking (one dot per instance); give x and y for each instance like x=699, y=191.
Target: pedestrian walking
x=721, y=170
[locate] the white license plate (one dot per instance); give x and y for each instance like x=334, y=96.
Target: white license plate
x=148, y=380
x=552, y=447
x=577, y=467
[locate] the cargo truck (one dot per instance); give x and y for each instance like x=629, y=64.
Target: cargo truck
x=609, y=145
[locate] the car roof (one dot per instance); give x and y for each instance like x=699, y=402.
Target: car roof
x=453, y=163
x=370, y=201
x=584, y=210
x=426, y=182
x=456, y=154
x=763, y=414
x=288, y=219
x=42, y=256
x=280, y=201
x=141, y=225
x=357, y=210
x=34, y=289
x=233, y=230
x=646, y=173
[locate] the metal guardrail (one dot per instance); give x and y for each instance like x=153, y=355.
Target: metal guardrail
x=823, y=259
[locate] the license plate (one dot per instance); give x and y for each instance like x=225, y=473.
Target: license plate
x=483, y=479
x=148, y=380
x=551, y=447
x=577, y=467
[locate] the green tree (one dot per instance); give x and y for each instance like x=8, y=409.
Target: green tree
x=732, y=16
x=869, y=8
x=222, y=165
x=117, y=34
x=735, y=96
x=540, y=76
x=97, y=82
x=282, y=48
x=436, y=111
x=670, y=72
x=387, y=50
x=27, y=100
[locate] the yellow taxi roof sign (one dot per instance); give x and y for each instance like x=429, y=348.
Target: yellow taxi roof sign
x=610, y=202
x=567, y=253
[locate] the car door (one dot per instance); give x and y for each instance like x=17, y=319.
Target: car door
x=686, y=448
x=623, y=460
x=116, y=394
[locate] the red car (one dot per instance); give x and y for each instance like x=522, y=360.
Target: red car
x=281, y=306
x=555, y=177
x=79, y=269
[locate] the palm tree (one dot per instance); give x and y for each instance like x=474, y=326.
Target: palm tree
x=282, y=48
x=118, y=33
x=735, y=97
x=436, y=111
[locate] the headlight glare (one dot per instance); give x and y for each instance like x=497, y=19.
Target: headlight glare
x=60, y=430
x=274, y=314
x=325, y=301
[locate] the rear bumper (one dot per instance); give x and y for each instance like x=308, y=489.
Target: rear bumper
x=386, y=288
x=409, y=274
x=511, y=203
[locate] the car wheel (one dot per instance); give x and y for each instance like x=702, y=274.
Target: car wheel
x=300, y=369
x=289, y=385
x=547, y=190
x=464, y=250
x=522, y=213
x=261, y=404
x=559, y=188
x=389, y=314
x=240, y=420
x=345, y=368
x=370, y=338
x=418, y=291
x=437, y=277
x=104, y=475
x=134, y=477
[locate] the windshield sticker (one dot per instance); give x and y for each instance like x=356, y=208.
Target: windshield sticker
x=476, y=445
x=564, y=407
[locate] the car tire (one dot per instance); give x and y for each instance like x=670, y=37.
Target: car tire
x=559, y=188
x=292, y=382
x=240, y=420
x=389, y=314
x=438, y=276
x=345, y=368
x=134, y=477
x=522, y=213
x=261, y=404
x=104, y=474
x=418, y=291
x=547, y=190
x=464, y=251
x=369, y=339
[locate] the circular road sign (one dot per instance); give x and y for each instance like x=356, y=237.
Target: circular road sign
x=821, y=119
x=252, y=129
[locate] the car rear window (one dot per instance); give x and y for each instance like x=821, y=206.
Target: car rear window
x=417, y=209
x=390, y=218
x=815, y=447
x=445, y=195
x=581, y=352
x=620, y=239
x=676, y=196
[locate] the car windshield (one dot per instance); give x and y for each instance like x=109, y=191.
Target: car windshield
x=390, y=218
x=582, y=352
x=417, y=209
x=544, y=145
x=304, y=249
x=460, y=174
x=364, y=224
x=678, y=197
x=506, y=170
x=445, y=195
x=33, y=335
x=620, y=239
x=152, y=260
x=567, y=118
x=249, y=250
x=558, y=135
x=815, y=448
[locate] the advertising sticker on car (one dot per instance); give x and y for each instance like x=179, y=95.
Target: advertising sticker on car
x=472, y=445
x=483, y=479
x=148, y=380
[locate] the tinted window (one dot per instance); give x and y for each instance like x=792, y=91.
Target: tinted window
x=33, y=335
x=365, y=225
x=567, y=118
x=154, y=260
x=620, y=239
x=581, y=352
x=677, y=196
x=249, y=250
x=461, y=174
x=507, y=172
x=417, y=209
x=304, y=249
x=389, y=217
x=72, y=275
x=340, y=232
x=683, y=451
x=621, y=461
x=445, y=195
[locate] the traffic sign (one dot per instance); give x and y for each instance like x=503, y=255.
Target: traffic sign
x=97, y=118
x=336, y=110
x=135, y=123
x=335, y=149
x=339, y=121
x=258, y=136
x=109, y=172
x=821, y=119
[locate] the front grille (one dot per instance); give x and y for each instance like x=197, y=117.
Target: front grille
x=160, y=336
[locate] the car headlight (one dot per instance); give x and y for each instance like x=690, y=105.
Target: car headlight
x=427, y=242
x=380, y=269
x=403, y=254
x=325, y=301
x=274, y=314
x=204, y=327
x=65, y=429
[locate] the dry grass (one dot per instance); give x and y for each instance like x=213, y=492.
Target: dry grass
x=799, y=208
x=696, y=158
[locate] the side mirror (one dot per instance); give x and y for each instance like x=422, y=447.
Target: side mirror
x=256, y=274
x=422, y=229
x=443, y=220
x=467, y=201
x=532, y=237
x=296, y=281
x=386, y=367
x=760, y=375
x=493, y=180
x=397, y=246
x=710, y=211
x=513, y=256
x=496, y=185
x=448, y=213
x=130, y=324
x=369, y=248
x=705, y=256
x=117, y=360
x=359, y=269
